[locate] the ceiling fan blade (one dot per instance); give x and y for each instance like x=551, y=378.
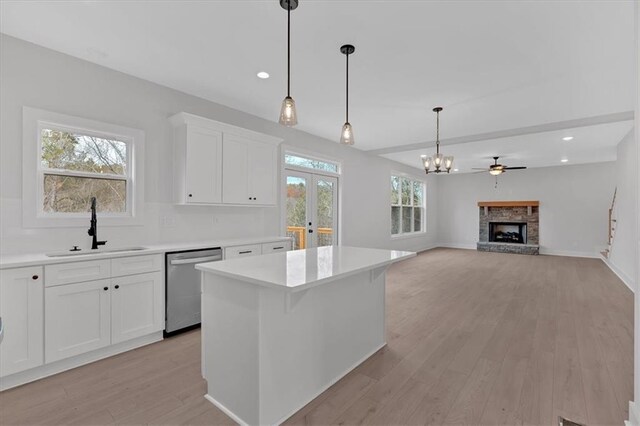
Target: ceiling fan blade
x=481, y=171
x=515, y=168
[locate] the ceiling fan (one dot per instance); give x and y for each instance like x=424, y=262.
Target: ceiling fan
x=497, y=169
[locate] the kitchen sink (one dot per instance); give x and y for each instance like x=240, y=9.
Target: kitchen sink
x=91, y=252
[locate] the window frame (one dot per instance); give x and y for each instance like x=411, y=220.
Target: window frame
x=423, y=219
x=34, y=121
x=285, y=165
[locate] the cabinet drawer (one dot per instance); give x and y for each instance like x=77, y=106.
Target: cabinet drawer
x=67, y=273
x=276, y=247
x=242, y=251
x=135, y=265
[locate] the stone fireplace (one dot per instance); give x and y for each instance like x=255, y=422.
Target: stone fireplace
x=509, y=226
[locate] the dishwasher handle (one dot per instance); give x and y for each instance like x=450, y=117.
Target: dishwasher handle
x=196, y=260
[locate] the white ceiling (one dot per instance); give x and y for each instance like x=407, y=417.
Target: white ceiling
x=589, y=144
x=493, y=65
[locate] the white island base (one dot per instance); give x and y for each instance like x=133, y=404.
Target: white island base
x=280, y=329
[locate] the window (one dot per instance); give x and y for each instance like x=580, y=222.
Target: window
x=407, y=205
x=68, y=160
x=76, y=166
x=310, y=163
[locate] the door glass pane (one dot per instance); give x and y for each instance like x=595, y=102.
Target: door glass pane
x=297, y=211
x=325, y=210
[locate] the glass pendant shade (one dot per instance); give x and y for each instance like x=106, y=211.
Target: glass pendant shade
x=426, y=161
x=288, y=115
x=346, y=136
x=438, y=160
x=448, y=162
x=495, y=172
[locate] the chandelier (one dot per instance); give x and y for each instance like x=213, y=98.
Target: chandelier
x=438, y=162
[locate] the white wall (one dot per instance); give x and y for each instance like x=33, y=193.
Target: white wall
x=41, y=78
x=634, y=413
x=623, y=259
x=574, y=202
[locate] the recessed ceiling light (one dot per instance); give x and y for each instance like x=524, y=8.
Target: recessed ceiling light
x=263, y=75
x=567, y=138
x=455, y=170
x=564, y=160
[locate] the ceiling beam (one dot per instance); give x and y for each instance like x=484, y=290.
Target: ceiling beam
x=540, y=128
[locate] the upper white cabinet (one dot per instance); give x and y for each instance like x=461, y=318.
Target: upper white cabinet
x=21, y=311
x=249, y=171
x=216, y=163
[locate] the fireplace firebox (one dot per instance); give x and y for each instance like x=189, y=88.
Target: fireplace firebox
x=508, y=232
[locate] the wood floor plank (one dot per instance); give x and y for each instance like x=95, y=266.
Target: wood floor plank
x=472, y=338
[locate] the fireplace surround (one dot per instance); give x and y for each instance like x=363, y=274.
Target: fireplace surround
x=509, y=227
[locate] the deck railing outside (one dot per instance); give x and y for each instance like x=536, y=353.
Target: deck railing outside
x=299, y=235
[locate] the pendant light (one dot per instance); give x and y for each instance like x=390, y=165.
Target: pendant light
x=346, y=136
x=288, y=115
x=438, y=161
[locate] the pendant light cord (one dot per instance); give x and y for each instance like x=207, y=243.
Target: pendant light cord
x=288, y=48
x=347, y=86
x=437, y=132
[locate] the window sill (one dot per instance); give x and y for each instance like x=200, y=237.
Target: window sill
x=408, y=235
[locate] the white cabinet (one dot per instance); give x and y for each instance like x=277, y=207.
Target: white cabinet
x=276, y=246
x=197, y=163
x=77, y=318
x=216, y=163
x=242, y=251
x=136, y=306
x=249, y=171
x=21, y=310
x=83, y=316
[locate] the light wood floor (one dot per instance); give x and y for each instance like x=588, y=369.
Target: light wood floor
x=473, y=338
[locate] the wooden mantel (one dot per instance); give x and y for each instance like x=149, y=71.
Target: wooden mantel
x=508, y=203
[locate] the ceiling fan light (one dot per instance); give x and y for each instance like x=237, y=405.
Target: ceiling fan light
x=288, y=114
x=495, y=171
x=346, y=136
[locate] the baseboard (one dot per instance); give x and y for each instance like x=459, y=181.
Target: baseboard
x=332, y=382
x=56, y=367
x=627, y=280
x=569, y=253
x=457, y=246
x=225, y=410
x=634, y=415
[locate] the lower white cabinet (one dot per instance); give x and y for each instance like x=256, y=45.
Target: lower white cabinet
x=85, y=316
x=242, y=251
x=21, y=312
x=136, y=306
x=77, y=318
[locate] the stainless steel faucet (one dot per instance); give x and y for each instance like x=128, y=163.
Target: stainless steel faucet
x=93, y=231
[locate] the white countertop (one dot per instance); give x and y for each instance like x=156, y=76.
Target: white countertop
x=34, y=259
x=301, y=269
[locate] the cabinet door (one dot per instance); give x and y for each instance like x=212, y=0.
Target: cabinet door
x=262, y=172
x=137, y=306
x=235, y=170
x=21, y=311
x=203, y=182
x=77, y=319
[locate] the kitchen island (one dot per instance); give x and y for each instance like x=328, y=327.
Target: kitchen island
x=280, y=329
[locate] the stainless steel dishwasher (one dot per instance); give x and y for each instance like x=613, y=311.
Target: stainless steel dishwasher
x=183, y=287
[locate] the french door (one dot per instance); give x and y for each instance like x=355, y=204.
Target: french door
x=311, y=209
